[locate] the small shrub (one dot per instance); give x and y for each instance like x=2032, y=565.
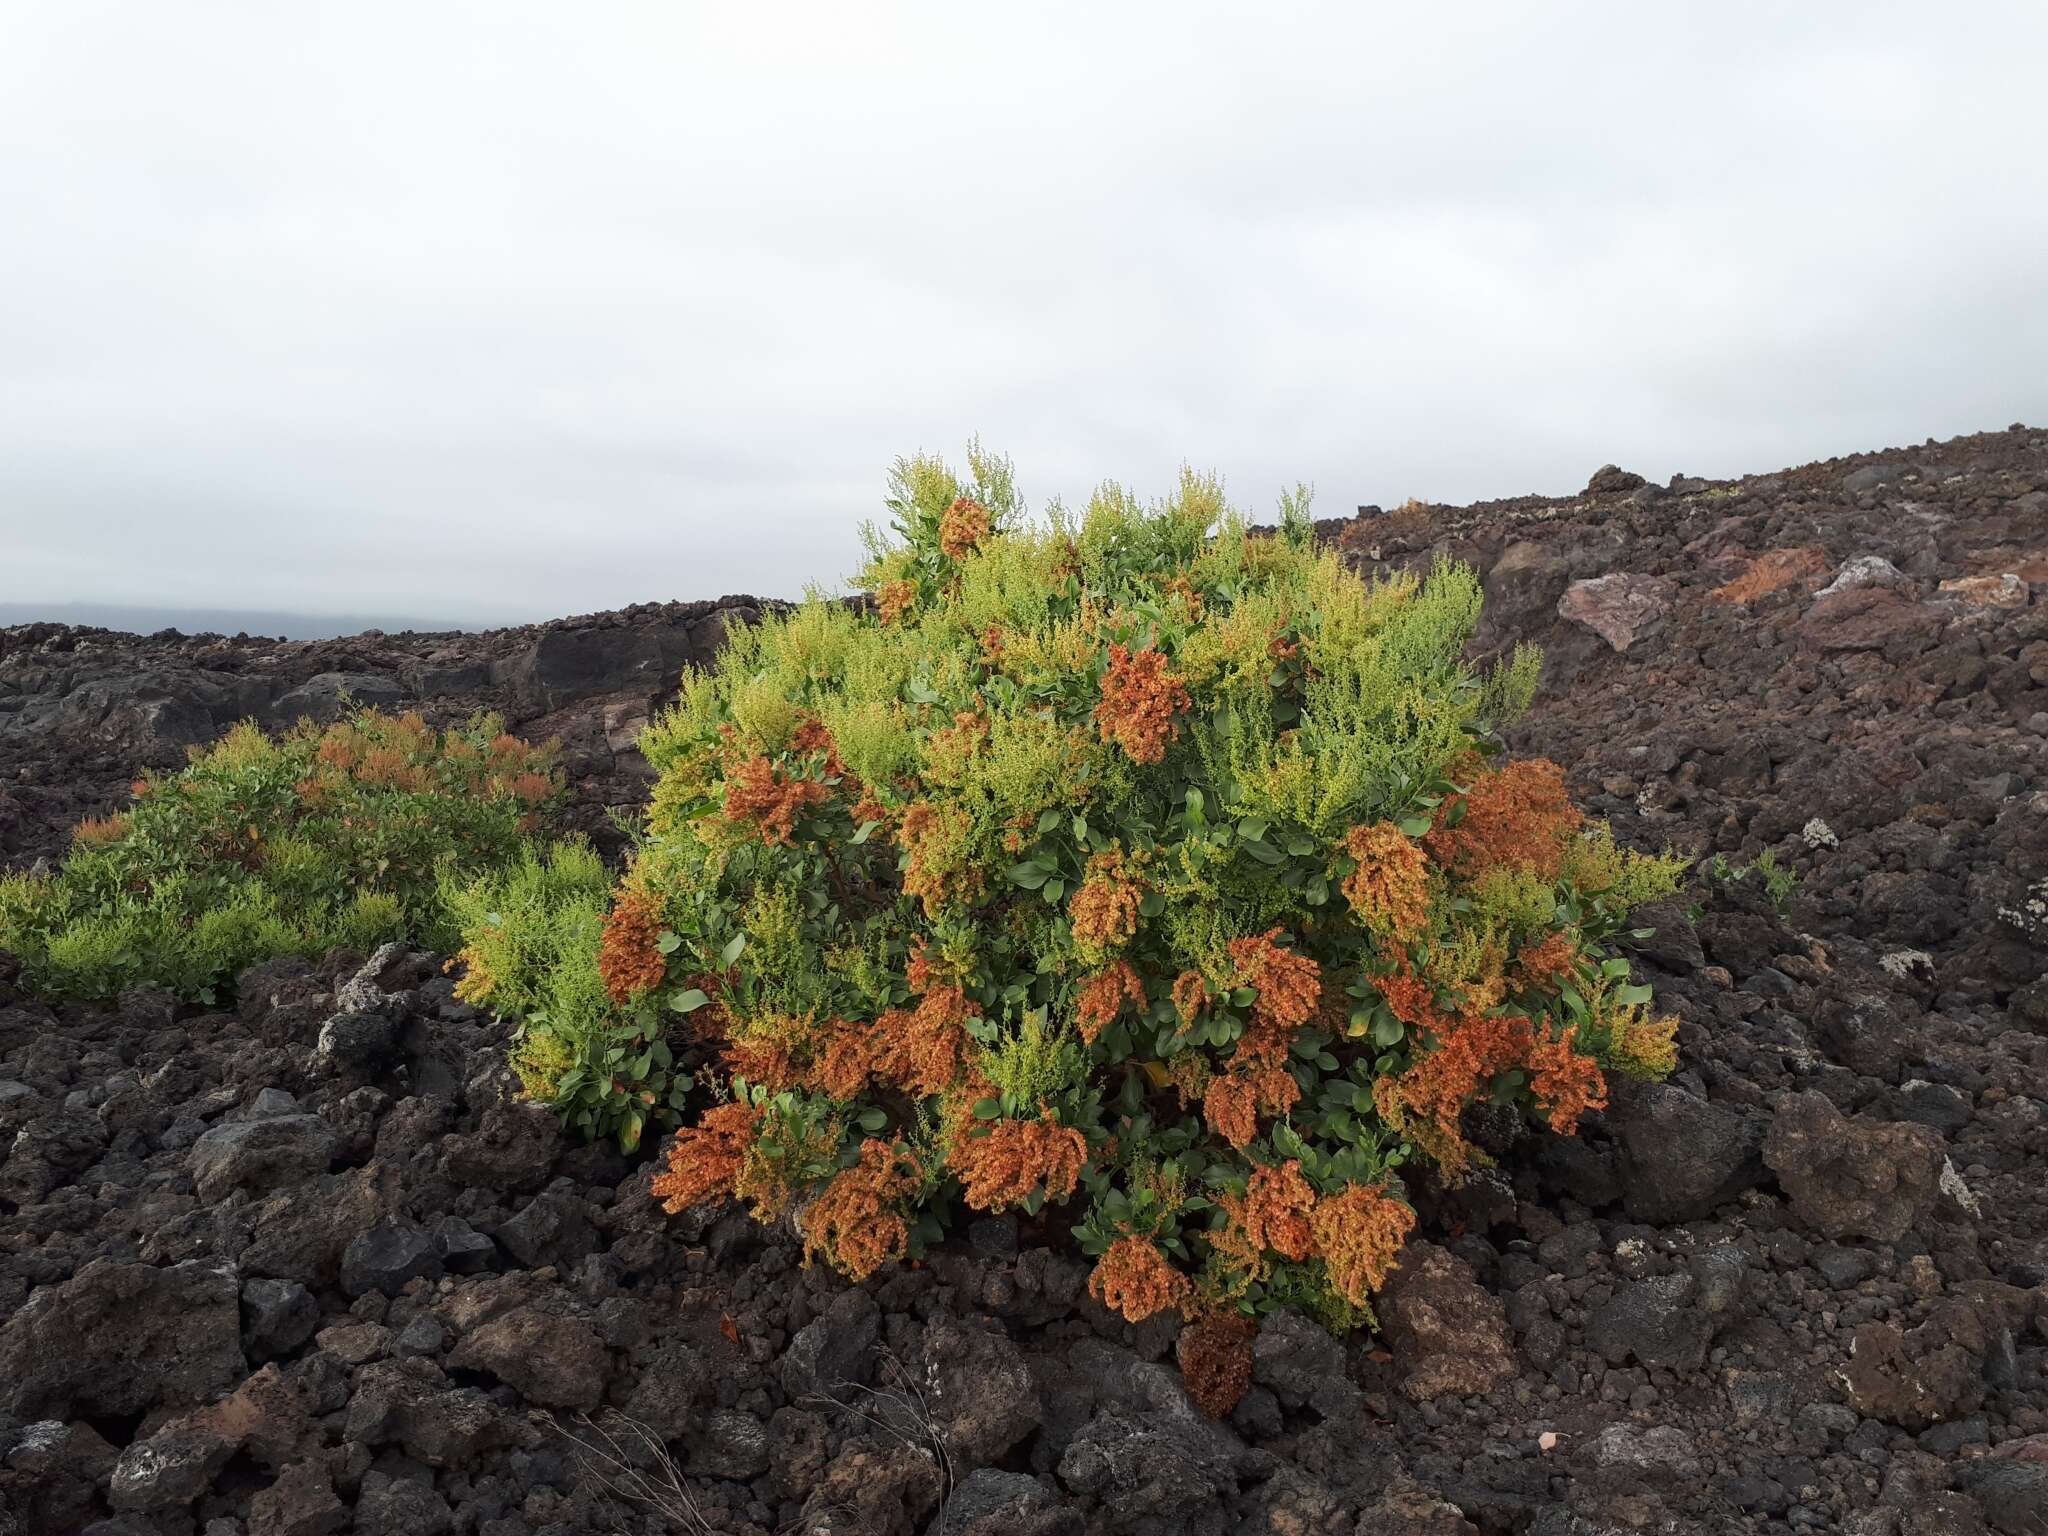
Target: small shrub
x=1131, y=862
x=268, y=846
x=533, y=937
x=1778, y=882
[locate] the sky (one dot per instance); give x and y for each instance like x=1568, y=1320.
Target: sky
x=497, y=311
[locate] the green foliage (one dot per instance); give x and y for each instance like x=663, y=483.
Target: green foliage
x=1778, y=882
x=264, y=847
x=1132, y=859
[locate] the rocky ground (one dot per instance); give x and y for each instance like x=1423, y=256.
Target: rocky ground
x=309, y=1267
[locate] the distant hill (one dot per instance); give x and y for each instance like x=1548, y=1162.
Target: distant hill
x=142, y=620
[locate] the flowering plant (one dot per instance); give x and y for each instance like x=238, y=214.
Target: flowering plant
x=1133, y=863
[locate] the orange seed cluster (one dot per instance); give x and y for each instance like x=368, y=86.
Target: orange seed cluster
x=631, y=961
x=1142, y=702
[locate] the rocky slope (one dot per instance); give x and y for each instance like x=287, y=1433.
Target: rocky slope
x=308, y=1266
x=83, y=710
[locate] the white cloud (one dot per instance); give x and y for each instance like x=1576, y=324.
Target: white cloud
x=514, y=309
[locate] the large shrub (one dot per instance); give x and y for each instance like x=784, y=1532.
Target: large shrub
x=1130, y=863
x=266, y=846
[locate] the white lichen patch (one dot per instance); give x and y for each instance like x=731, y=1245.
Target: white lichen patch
x=2030, y=917
x=1818, y=834
x=1905, y=964
x=1954, y=1188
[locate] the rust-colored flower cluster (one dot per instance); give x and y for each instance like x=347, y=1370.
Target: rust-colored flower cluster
x=1277, y=1205
x=1257, y=1083
x=895, y=599
x=856, y=1222
x=1102, y=996
x=1545, y=965
x=1104, y=909
x=763, y=793
x=1515, y=817
x=1565, y=1082
x=1390, y=888
x=962, y=526
x=1002, y=1167
x=704, y=1159
x=942, y=870
x=1357, y=1232
x=1142, y=702
x=922, y=1050
x=631, y=960
x=100, y=831
x=1135, y=1279
x=1215, y=1356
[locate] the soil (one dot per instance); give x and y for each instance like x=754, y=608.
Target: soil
x=262, y=1275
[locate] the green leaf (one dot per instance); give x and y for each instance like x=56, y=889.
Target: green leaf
x=1631, y=996
x=987, y=1109
x=1387, y=1031
x=866, y=831
x=1152, y=905
x=1415, y=826
x=734, y=947
x=1030, y=874
x=1265, y=853
x=1254, y=828
x=1054, y=892
x=872, y=1120
x=669, y=942
x=688, y=1002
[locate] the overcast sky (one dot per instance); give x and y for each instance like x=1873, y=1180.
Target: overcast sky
x=504, y=310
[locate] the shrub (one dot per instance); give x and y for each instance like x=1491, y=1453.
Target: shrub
x=262, y=847
x=1134, y=863
x=533, y=950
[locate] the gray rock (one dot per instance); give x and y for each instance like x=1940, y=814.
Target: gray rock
x=553, y=1228
x=731, y=1444
x=1152, y=1472
x=557, y=1361
x=1448, y=1334
x=1870, y=477
x=116, y=1339
x=981, y=1393
x=833, y=1349
x=331, y=695
x=422, y=1336
x=1844, y=1268
x=169, y=1469
x=385, y=1258
x=1669, y=1321
x=359, y=1041
x=1852, y=1177
x=412, y=1403
x=2013, y=1493
x=277, y=1317
x=991, y=1503
x=1296, y=1359
x=260, y=1155
x=1657, y=1452
x=1864, y=571
x=464, y=1251
x=400, y=1506
x=1680, y=1157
